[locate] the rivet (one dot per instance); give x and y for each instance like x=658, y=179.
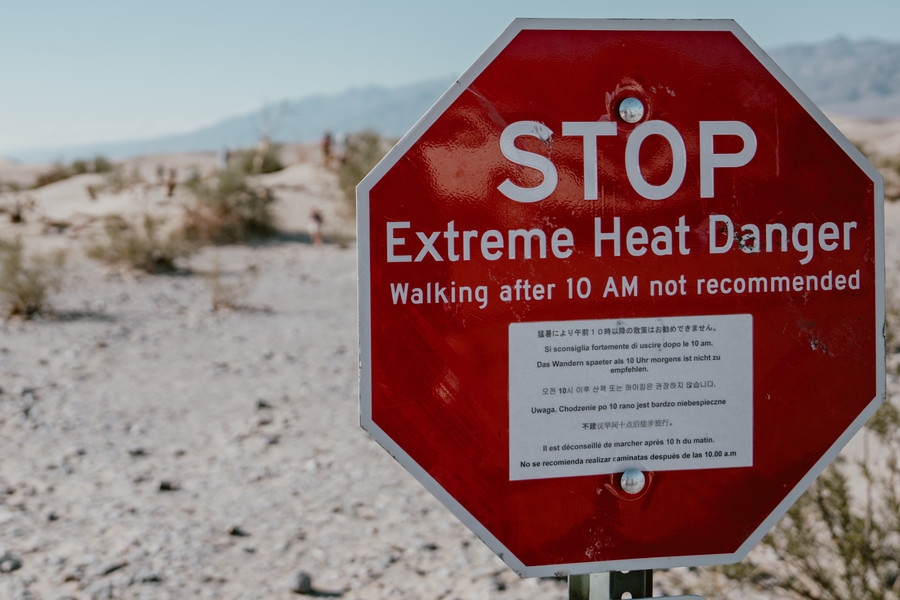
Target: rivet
x=632, y=481
x=631, y=110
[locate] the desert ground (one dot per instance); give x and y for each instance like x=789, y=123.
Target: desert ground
x=157, y=448
x=158, y=444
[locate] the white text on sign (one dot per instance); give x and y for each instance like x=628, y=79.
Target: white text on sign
x=590, y=131
x=610, y=235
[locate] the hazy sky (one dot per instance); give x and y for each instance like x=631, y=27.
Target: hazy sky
x=99, y=70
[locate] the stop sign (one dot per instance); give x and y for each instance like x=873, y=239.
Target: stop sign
x=620, y=246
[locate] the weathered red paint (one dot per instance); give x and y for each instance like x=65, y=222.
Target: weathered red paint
x=435, y=375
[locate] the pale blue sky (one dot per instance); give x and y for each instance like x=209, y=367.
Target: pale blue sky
x=102, y=70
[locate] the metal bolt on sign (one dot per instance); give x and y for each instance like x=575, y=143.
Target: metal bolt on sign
x=633, y=481
x=631, y=110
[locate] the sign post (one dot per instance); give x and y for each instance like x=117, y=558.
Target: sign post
x=621, y=295
x=606, y=586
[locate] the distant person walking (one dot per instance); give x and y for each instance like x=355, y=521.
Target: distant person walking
x=223, y=157
x=327, y=149
x=315, y=227
x=171, y=182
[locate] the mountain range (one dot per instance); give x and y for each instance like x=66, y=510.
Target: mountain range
x=844, y=77
x=849, y=78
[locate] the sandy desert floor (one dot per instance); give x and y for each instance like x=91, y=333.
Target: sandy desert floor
x=155, y=448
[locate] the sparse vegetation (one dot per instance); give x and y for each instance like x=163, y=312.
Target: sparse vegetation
x=250, y=162
x=226, y=209
x=100, y=164
x=841, y=539
x=25, y=282
x=892, y=331
x=17, y=207
x=140, y=246
x=229, y=210
x=115, y=180
x=118, y=179
x=227, y=293
x=889, y=166
x=362, y=152
x=59, y=171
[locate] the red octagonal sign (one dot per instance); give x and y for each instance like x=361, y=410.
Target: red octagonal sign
x=614, y=246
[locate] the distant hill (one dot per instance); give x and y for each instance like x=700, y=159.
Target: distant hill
x=855, y=79
x=844, y=77
x=392, y=111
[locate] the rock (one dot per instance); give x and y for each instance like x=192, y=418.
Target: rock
x=10, y=562
x=301, y=583
x=147, y=578
x=109, y=569
x=168, y=486
x=24, y=391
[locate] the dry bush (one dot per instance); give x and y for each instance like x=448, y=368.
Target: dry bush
x=249, y=163
x=25, y=282
x=890, y=169
x=115, y=180
x=362, y=152
x=55, y=173
x=888, y=166
x=17, y=206
x=140, y=246
x=228, y=211
x=59, y=171
x=227, y=292
x=841, y=539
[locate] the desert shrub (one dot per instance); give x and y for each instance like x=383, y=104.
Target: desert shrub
x=227, y=292
x=25, y=282
x=116, y=179
x=228, y=210
x=140, y=246
x=17, y=206
x=102, y=164
x=841, y=539
x=362, y=152
x=243, y=161
x=59, y=171
x=55, y=173
x=892, y=319
x=79, y=167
